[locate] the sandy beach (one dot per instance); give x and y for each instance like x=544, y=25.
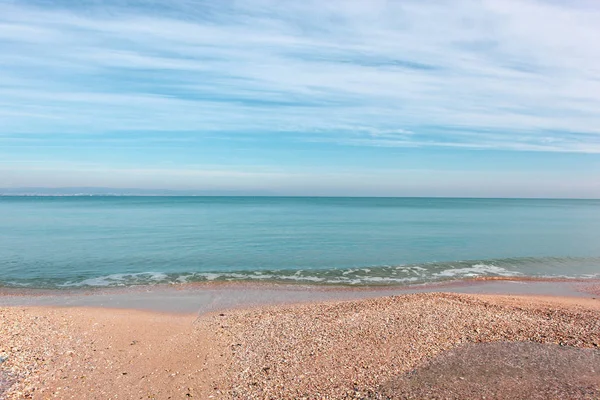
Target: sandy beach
x=428, y=345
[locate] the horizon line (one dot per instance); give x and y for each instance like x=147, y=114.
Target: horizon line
x=83, y=194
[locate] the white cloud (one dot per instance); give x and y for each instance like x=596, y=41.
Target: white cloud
x=514, y=75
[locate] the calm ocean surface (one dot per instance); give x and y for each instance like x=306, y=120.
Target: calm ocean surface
x=63, y=242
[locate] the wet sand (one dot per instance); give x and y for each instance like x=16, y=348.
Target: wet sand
x=214, y=296
x=363, y=348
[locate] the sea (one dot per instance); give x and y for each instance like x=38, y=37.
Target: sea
x=68, y=242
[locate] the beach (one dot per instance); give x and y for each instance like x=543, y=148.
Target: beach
x=295, y=200
x=378, y=347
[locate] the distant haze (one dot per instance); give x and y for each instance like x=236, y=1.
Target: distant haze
x=100, y=191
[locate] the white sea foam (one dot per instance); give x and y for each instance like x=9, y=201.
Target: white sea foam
x=382, y=279
x=119, y=280
x=476, y=270
x=350, y=276
x=590, y=275
x=376, y=275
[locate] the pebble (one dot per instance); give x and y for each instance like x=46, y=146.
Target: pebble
x=347, y=349
x=331, y=350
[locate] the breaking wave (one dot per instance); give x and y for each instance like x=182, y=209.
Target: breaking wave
x=358, y=276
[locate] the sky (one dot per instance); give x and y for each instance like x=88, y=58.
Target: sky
x=488, y=98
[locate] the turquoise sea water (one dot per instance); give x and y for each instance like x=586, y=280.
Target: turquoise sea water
x=63, y=242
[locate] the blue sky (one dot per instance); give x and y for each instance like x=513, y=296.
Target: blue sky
x=400, y=98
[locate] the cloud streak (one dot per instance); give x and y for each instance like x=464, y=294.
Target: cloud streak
x=495, y=74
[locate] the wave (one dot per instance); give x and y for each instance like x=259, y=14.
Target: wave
x=566, y=267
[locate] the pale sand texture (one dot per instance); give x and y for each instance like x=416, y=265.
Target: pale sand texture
x=78, y=353
x=351, y=349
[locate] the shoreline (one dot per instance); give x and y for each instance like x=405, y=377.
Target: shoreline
x=205, y=297
x=26, y=290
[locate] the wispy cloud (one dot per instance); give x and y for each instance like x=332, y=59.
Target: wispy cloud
x=495, y=74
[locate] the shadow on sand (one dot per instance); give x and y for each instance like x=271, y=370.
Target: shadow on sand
x=502, y=370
